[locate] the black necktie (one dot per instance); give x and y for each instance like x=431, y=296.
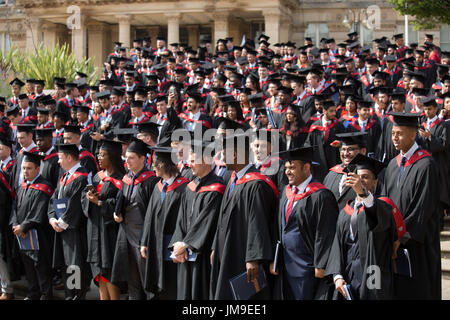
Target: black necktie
x=354, y=222
x=402, y=168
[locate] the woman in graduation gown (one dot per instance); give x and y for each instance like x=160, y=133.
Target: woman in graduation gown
x=159, y=226
x=294, y=131
x=98, y=206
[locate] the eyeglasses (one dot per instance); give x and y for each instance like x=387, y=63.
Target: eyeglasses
x=349, y=149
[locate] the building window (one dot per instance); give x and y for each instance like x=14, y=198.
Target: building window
x=5, y=42
x=445, y=37
x=317, y=31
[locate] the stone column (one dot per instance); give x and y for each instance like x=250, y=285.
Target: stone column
x=98, y=42
x=153, y=32
x=272, y=24
x=33, y=33
x=79, y=39
x=193, y=36
x=173, y=27
x=220, y=25
x=285, y=29
x=51, y=31
x=125, y=29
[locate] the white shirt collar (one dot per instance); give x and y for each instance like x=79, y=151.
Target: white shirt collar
x=301, y=188
x=243, y=171
x=195, y=116
x=73, y=169
x=411, y=151
x=140, y=118
x=6, y=160
x=31, y=182
x=432, y=120
x=31, y=146
x=362, y=122
x=324, y=122
x=170, y=180
x=84, y=124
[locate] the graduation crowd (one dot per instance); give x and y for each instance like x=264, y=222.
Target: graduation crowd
x=328, y=177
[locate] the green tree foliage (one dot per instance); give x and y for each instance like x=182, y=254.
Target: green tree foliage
x=427, y=13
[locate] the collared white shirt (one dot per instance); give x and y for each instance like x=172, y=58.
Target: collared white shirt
x=190, y=125
x=410, y=152
x=5, y=162
x=25, y=112
x=170, y=180
x=74, y=168
x=84, y=124
x=325, y=122
x=136, y=120
x=363, y=124
x=243, y=171
x=300, y=189
x=368, y=203
x=430, y=121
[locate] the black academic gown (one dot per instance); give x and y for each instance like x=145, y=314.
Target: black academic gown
x=70, y=245
x=306, y=240
x=30, y=212
x=136, y=195
x=196, y=226
x=101, y=228
x=169, y=125
x=243, y=230
x=8, y=246
x=15, y=173
x=417, y=197
x=159, y=227
x=354, y=258
x=273, y=168
x=438, y=146
x=50, y=169
x=332, y=180
x=385, y=150
x=88, y=161
x=324, y=154
x=85, y=138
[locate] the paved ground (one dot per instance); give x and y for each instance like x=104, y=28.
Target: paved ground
x=21, y=286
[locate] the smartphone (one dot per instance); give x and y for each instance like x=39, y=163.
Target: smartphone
x=351, y=168
x=90, y=187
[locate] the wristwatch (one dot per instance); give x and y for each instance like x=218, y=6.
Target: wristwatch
x=100, y=203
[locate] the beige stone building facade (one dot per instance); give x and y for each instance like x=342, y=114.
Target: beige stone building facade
x=91, y=26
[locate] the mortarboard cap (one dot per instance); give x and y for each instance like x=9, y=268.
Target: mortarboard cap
x=72, y=129
x=17, y=82
x=32, y=157
x=138, y=146
x=352, y=138
x=148, y=127
x=25, y=127
x=69, y=148
x=113, y=147
x=363, y=162
x=405, y=119
x=304, y=154
x=103, y=95
x=44, y=132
